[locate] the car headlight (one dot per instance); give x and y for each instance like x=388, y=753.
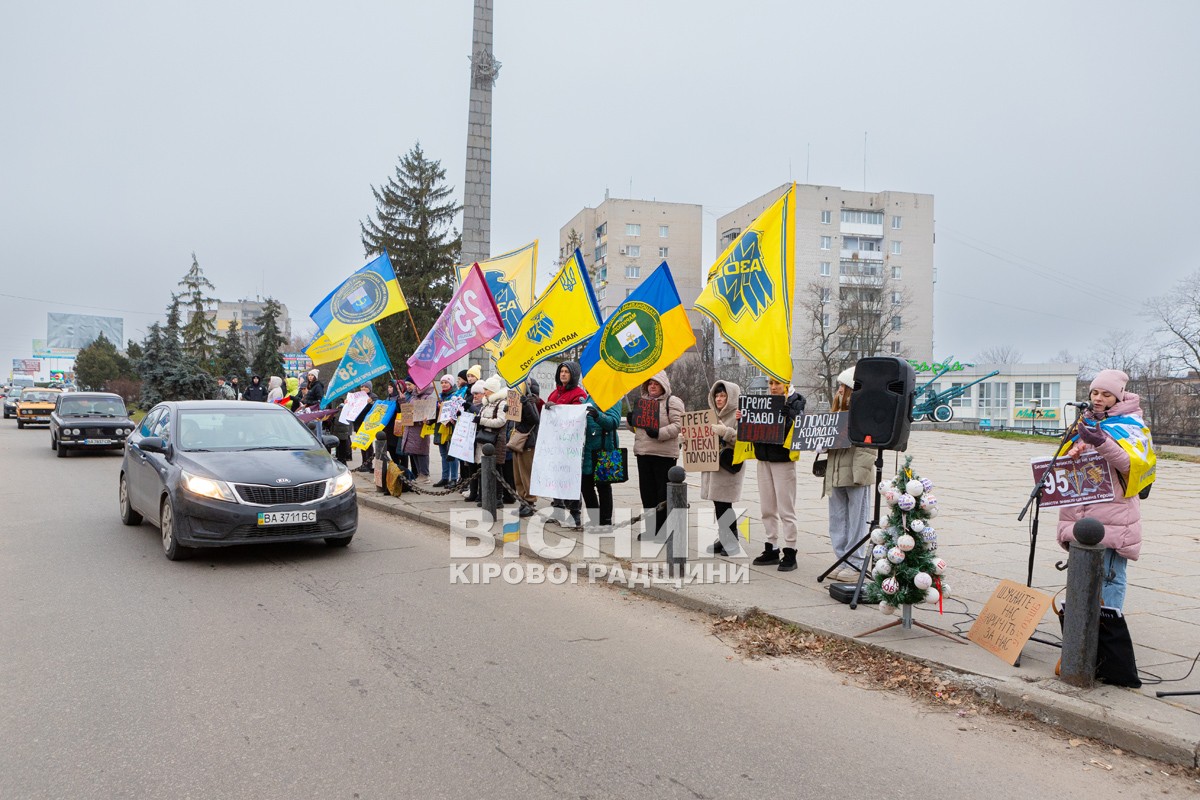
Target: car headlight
x=341, y=484
x=75, y=431
x=206, y=487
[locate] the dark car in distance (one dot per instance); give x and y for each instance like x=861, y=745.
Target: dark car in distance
x=213, y=473
x=89, y=421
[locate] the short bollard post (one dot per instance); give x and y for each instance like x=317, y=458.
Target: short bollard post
x=1081, y=615
x=380, y=465
x=677, y=519
x=489, y=489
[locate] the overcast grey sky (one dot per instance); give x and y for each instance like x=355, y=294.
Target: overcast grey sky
x=1058, y=138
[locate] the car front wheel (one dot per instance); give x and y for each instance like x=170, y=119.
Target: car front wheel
x=61, y=451
x=166, y=526
x=128, y=515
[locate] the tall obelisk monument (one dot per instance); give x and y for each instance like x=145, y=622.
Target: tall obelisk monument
x=477, y=190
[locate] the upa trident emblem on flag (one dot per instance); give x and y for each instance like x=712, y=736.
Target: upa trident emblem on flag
x=742, y=282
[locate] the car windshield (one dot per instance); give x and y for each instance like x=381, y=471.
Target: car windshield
x=242, y=429
x=29, y=396
x=91, y=407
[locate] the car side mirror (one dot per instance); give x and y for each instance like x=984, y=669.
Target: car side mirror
x=153, y=444
x=330, y=441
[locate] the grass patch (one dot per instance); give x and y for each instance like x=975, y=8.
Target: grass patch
x=1012, y=436
x=1169, y=456
x=137, y=415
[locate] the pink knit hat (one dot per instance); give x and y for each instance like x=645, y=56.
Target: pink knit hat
x=1112, y=381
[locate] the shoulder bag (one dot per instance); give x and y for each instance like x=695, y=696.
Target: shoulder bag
x=611, y=464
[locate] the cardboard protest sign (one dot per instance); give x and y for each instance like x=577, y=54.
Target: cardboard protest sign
x=424, y=408
x=701, y=449
x=814, y=431
x=1008, y=620
x=462, y=443
x=763, y=418
x=513, y=406
x=645, y=413
x=1087, y=479
x=559, y=452
x=451, y=409
x=352, y=406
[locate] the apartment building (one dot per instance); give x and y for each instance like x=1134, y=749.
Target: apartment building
x=864, y=275
x=623, y=241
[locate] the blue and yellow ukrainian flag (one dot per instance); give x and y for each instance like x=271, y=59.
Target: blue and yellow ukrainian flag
x=749, y=290
x=643, y=336
x=365, y=297
x=321, y=351
x=564, y=316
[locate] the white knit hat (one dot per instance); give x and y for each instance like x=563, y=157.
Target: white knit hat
x=846, y=377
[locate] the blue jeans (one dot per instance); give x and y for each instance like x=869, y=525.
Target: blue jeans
x=449, y=463
x=1112, y=593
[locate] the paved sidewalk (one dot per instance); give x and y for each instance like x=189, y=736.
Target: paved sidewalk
x=981, y=485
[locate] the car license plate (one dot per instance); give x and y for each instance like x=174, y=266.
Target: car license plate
x=285, y=517
x=41, y=419
x=98, y=441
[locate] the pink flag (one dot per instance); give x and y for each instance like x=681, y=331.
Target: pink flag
x=470, y=319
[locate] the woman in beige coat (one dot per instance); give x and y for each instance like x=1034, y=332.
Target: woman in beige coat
x=656, y=447
x=724, y=488
x=848, y=478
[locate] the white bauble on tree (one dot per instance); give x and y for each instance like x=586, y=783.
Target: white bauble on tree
x=906, y=502
x=883, y=567
x=887, y=608
x=879, y=551
x=916, y=525
x=945, y=587
x=895, y=555
x=890, y=586
x=928, y=501
x=878, y=536
x=922, y=580
x=928, y=484
x=932, y=595
x=905, y=542
x=885, y=487
x=914, y=487
x=891, y=497
x=931, y=512
x=939, y=566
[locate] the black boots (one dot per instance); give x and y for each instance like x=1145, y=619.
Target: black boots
x=789, y=560
x=770, y=555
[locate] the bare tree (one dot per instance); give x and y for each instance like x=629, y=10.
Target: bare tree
x=1000, y=354
x=1178, y=317
x=848, y=322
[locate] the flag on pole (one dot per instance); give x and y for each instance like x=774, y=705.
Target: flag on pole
x=376, y=420
x=470, y=319
x=644, y=335
x=510, y=278
x=365, y=360
x=564, y=316
x=749, y=289
x=321, y=351
x=365, y=297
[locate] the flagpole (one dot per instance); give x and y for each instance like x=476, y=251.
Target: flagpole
x=413, y=322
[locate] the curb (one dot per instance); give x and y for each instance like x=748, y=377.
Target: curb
x=1047, y=700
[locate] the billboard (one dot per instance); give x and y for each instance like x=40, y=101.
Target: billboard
x=79, y=330
x=26, y=366
x=41, y=350
x=296, y=363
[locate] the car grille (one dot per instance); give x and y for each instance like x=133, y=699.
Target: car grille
x=322, y=526
x=280, y=495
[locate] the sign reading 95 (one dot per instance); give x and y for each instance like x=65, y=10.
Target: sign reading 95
x=1073, y=482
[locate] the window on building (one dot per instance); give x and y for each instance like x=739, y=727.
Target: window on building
x=603, y=274
x=896, y=322
x=826, y=242
x=602, y=293
x=826, y=293
x=633, y=250
x=993, y=401
x=862, y=217
x=633, y=229
x=601, y=251
x=897, y=248
x=826, y=217
x=825, y=320
x=896, y=273
x=895, y=348
x=963, y=400
x=825, y=268
x=897, y=298
x=629, y=291
x=602, y=229
x=633, y=271
x=664, y=231
x=728, y=236
x=897, y=223
x=1036, y=403
x=662, y=252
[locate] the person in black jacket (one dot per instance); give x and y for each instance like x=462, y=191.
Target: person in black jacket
x=522, y=461
x=255, y=392
x=316, y=389
x=777, y=486
x=368, y=454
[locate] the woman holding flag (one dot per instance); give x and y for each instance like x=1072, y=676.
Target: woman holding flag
x=1115, y=428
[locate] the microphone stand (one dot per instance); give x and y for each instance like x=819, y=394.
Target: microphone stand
x=1035, y=497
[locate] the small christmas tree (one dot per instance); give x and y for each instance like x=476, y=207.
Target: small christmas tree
x=907, y=570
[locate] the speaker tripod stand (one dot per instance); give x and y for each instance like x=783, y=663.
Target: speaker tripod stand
x=872, y=525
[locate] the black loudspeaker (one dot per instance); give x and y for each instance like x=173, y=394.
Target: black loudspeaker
x=882, y=402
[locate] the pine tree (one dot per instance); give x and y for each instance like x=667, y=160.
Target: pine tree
x=231, y=355
x=907, y=570
x=267, y=359
x=413, y=223
x=166, y=372
x=200, y=332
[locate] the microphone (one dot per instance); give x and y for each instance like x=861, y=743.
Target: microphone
x=1082, y=405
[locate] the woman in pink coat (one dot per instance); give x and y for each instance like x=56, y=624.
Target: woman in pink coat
x=1114, y=413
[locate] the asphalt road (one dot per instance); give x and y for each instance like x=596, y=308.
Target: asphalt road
x=306, y=672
